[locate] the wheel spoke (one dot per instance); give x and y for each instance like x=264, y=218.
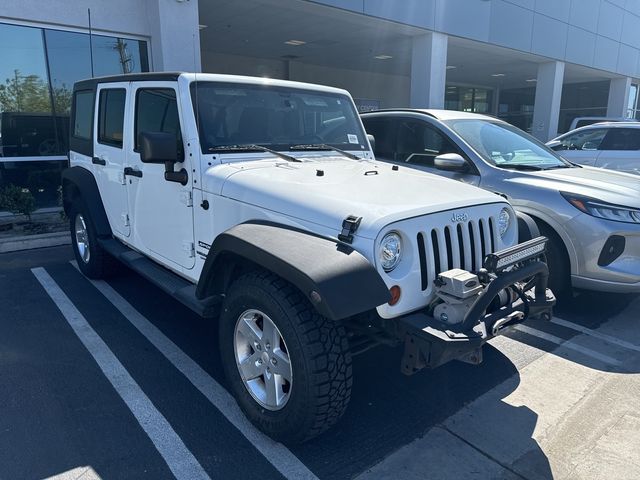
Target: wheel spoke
x=271, y=385
x=250, y=367
x=270, y=333
x=282, y=366
x=248, y=328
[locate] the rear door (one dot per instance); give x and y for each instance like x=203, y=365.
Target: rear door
x=620, y=150
x=161, y=211
x=109, y=153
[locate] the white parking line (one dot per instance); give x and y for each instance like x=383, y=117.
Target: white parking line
x=596, y=334
x=179, y=459
x=568, y=344
x=277, y=454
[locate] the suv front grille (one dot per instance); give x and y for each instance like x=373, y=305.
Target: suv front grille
x=458, y=245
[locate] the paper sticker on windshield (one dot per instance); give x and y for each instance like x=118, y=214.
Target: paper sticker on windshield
x=352, y=138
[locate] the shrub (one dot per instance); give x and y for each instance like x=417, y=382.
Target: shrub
x=18, y=201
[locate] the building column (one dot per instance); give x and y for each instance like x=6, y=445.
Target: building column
x=546, y=110
x=618, y=97
x=428, y=70
x=175, y=36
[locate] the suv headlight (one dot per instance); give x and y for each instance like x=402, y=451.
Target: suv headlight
x=599, y=209
x=390, y=251
x=504, y=221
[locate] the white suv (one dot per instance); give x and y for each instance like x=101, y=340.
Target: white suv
x=258, y=204
x=613, y=145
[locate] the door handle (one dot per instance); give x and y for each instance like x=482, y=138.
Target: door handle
x=98, y=161
x=132, y=172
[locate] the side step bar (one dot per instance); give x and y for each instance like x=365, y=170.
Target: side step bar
x=176, y=286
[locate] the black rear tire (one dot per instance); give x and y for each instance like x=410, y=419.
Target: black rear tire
x=318, y=351
x=97, y=263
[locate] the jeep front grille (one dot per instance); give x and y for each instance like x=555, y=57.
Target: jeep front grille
x=457, y=245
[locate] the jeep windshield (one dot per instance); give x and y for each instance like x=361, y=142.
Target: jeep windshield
x=506, y=146
x=280, y=118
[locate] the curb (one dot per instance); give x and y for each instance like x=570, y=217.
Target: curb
x=29, y=242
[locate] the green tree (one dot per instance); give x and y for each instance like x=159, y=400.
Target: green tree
x=24, y=93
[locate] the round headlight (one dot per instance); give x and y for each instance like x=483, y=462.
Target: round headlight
x=390, y=251
x=504, y=221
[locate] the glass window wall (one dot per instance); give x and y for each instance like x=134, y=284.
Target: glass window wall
x=37, y=72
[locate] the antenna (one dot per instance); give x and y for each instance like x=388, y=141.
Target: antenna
x=195, y=79
x=90, y=41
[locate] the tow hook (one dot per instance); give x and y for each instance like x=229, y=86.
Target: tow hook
x=513, y=317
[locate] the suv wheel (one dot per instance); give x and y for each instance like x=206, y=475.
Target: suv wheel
x=288, y=367
x=92, y=260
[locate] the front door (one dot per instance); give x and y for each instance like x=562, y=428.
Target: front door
x=110, y=153
x=161, y=211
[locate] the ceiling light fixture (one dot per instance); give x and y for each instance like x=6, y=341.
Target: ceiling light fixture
x=383, y=57
x=451, y=67
x=531, y=80
x=202, y=27
x=498, y=75
x=295, y=43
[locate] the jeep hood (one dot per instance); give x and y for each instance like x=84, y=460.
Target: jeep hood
x=326, y=191
x=609, y=186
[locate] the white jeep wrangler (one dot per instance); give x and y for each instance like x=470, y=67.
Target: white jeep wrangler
x=258, y=203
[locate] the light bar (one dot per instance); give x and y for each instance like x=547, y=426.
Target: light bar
x=510, y=256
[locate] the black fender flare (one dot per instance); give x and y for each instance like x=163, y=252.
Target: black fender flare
x=527, y=227
x=337, y=280
x=78, y=181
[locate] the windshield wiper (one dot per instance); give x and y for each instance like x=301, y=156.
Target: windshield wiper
x=556, y=167
x=324, y=146
x=520, y=166
x=252, y=148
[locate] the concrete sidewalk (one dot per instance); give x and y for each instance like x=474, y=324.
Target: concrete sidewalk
x=565, y=416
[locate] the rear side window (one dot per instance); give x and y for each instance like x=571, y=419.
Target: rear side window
x=621, y=139
x=111, y=116
x=157, y=111
x=83, y=114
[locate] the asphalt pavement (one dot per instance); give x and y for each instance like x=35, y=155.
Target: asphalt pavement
x=116, y=380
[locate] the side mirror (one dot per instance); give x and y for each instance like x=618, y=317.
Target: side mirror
x=372, y=141
x=158, y=147
x=451, y=162
x=162, y=147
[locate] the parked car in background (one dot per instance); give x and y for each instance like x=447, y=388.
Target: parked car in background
x=590, y=215
x=584, y=121
x=613, y=145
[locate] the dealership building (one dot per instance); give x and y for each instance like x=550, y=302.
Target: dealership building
x=534, y=63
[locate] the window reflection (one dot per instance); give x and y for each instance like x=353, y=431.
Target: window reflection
x=38, y=68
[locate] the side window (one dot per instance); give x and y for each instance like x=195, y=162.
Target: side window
x=157, y=111
x=111, y=116
x=621, y=139
x=420, y=143
x=584, y=140
x=83, y=114
x=383, y=130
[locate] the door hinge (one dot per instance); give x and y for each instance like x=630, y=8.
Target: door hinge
x=190, y=248
x=125, y=219
x=186, y=197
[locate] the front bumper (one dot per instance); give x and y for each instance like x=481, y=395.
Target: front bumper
x=589, y=237
x=430, y=343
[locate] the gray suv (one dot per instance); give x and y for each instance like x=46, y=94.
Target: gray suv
x=591, y=215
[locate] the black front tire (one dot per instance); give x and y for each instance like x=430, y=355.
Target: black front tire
x=318, y=351
x=558, y=263
x=97, y=263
